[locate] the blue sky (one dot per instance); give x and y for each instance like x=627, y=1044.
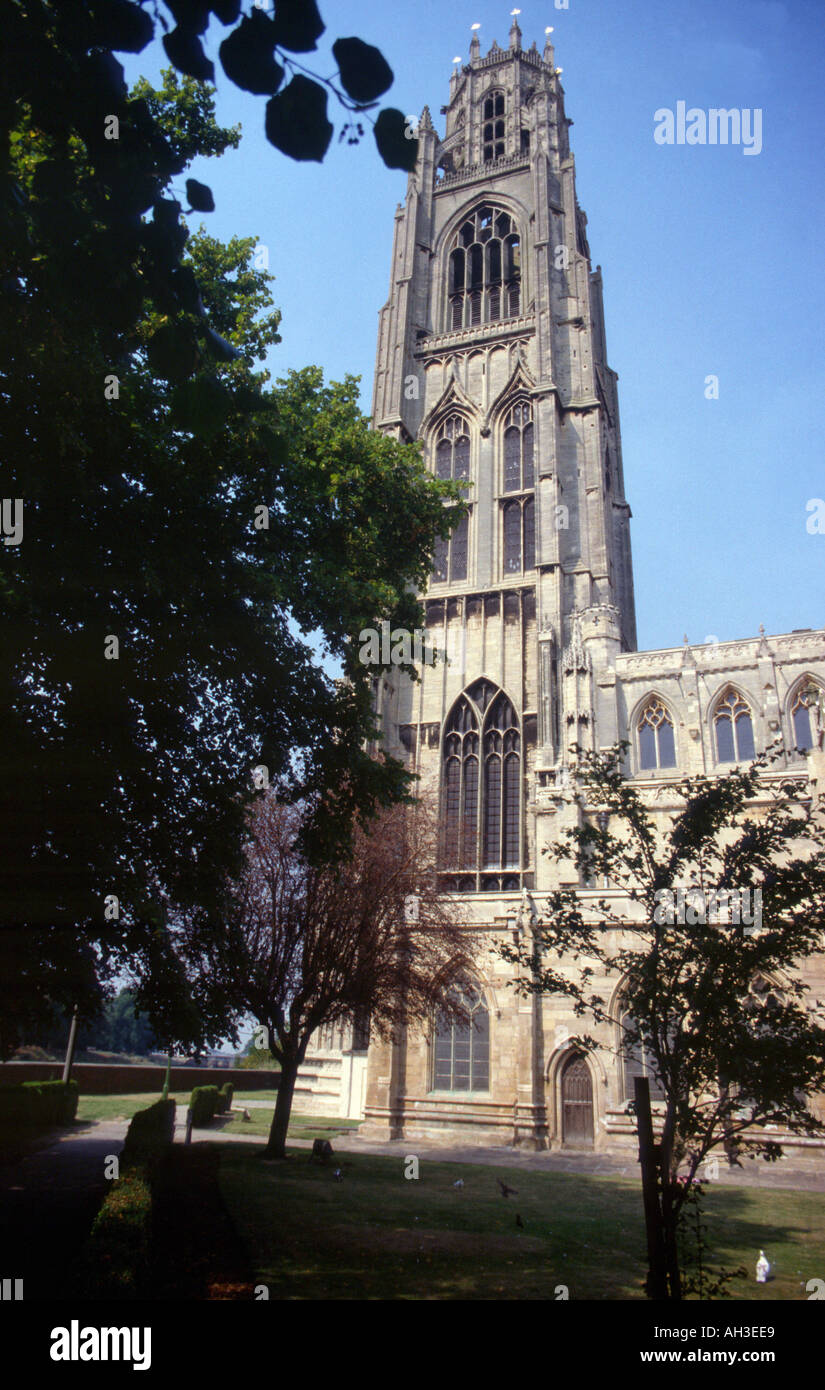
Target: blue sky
x=712, y=263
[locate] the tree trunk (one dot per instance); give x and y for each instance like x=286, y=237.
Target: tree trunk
x=657, y=1268
x=671, y=1251
x=276, y=1145
x=669, y=1216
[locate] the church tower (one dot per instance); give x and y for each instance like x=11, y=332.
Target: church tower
x=492, y=352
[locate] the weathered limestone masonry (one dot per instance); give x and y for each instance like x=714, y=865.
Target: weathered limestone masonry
x=492, y=352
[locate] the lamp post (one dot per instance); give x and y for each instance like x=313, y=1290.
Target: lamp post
x=67, y=1065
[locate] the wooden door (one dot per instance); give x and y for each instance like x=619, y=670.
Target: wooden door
x=577, y=1103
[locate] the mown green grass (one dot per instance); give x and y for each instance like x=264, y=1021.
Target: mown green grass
x=378, y=1235
x=118, y=1107
x=300, y=1126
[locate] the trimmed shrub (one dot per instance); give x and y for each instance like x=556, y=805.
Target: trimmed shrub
x=204, y=1104
x=225, y=1095
x=115, y=1262
x=150, y=1133
x=39, y=1103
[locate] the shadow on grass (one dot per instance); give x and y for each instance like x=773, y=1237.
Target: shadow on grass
x=376, y=1235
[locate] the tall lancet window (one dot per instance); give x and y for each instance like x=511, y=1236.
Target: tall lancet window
x=452, y=460
x=484, y=274
x=518, y=449
x=519, y=520
x=502, y=777
x=518, y=514
x=461, y=768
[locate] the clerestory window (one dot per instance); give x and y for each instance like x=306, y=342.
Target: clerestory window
x=808, y=695
x=657, y=744
x=733, y=726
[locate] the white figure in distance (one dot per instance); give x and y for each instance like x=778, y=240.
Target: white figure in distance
x=763, y=1268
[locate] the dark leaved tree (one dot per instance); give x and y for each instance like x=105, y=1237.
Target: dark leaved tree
x=715, y=999
x=181, y=522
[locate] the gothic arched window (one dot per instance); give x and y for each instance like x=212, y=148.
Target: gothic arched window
x=519, y=520
x=484, y=270
x=808, y=694
x=452, y=460
x=452, y=449
x=481, y=797
x=461, y=775
x=518, y=449
x=493, y=126
x=502, y=782
x=657, y=744
x=733, y=726
x=461, y=1059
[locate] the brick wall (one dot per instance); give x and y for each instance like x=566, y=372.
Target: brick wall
x=98, y=1078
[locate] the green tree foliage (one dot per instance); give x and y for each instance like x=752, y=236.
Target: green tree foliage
x=718, y=1003
x=137, y=428
x=125, y=1029
x=119, y=1027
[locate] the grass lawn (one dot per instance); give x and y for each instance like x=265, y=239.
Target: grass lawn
x=119, y=1107
x=378, y=1235
x=300, y=1126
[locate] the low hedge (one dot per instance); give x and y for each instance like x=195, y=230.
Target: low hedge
x=204, y=1105
x=116, y=1259
x=39, y=1103
x=150, y=1133
x=225, y=1095
x=115, y=1262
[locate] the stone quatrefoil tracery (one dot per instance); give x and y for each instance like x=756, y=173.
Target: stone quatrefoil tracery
x=484, y=275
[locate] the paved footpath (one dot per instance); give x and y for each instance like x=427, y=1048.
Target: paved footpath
x=48, y=1201
x=809, y=1177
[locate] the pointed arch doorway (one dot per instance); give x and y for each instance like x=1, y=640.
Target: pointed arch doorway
x=577, y=1103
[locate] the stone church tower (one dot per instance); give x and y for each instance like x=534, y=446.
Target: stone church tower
x=492, y=353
